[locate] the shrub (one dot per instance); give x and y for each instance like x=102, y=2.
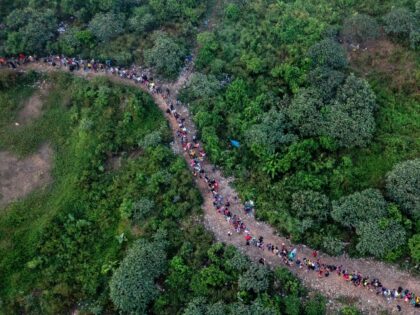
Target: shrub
x=30, y=30
x=106, y=26
x=166, y=55
x=403, y=186
x=200, y=86
x=256, y=279
x=132, y=286
x=399, y=23
x=365, y=206
x=378, y=238
x=349, y=119
x=142, y=20
x=328, y=53
x=414, y=245
x=360, y=28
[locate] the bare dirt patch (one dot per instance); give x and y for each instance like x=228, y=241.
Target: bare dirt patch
x=33, y=106
x=392, y=62
x=19, y=177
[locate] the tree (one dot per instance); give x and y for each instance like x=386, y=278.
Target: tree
x=349, y=118
x=30, y=31
x=326, y=82
x=166, y=9
x=379, y=237
x=399, y=23
x=106, y=26
x=142, y=209
x=208, y=47
x=403, y=186
x=328, y=53
x=365, y=206
x=256, y=308
x=166, y=56
x=197, y=306
x=360, y=28
x=304, y=112
x=332, y=245
x=310, y=203
x=142, y=20
x=414, y=245
x=255, y=279
x=201, y=86
x=74, y=39
x=132, y=286
x=316, y=305
x=271, y=133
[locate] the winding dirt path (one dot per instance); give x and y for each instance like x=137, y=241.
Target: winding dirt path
x=333, y=287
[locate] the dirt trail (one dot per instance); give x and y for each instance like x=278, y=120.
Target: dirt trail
x=333, y=287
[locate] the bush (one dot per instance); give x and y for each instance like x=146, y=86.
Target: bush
x=270, y=134
x=332, y=245
x=166, y=56
x=360, y=28
x=304, y=112
x=142, y=20
x=106, y=26
x=132, y=286
x=414, y=245
x=326, y=81
x=328, y=53
x=378, y=238
x=200, y=86
x=403, y=186
x=8, y=79
x=256, y=279
x=365, y=206
x=399, y=23
x=349, y=119
x=30, y=31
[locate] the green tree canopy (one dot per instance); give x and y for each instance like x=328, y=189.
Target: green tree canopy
x=350, y=118
x=132, y=286
x=311, y=204
x=360, y=28
x=271, y=133
x=414, y=245
x=256, y=279
x=30, y=30
x=379, y=237
x=326, y=82
x=403, y=186
x=142, y=20
x=106, y=26
x=359, y=207
x=328, y=53
x=200, y=86
x=166, y=55
x=304, y=112
x=399, y=22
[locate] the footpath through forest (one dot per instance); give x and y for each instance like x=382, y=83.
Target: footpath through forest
x=334, y=287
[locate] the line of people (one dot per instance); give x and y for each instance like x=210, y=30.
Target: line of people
x=222, y=205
